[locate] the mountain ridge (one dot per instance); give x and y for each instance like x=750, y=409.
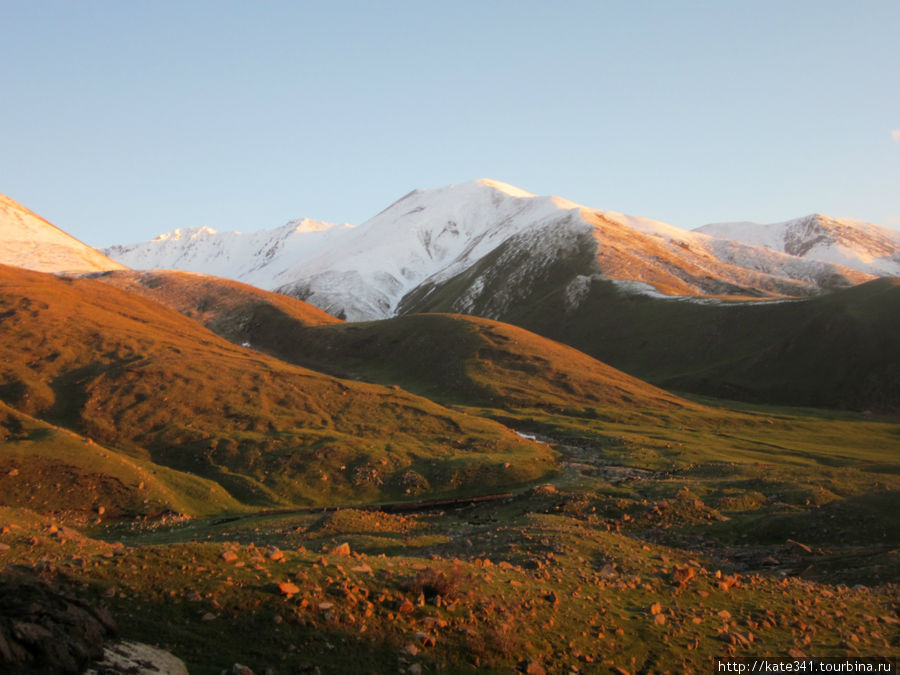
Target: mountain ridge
x=33, y=242
x=427, y=237
x=863, y=246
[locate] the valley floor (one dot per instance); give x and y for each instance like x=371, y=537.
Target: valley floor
x=642, y=555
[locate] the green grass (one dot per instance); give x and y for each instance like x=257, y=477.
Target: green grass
x=133, y=375
x=835, y=351
x=773, y=515
x=57, y=471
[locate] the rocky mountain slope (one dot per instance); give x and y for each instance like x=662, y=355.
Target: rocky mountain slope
x=858, y=245
x=27, y=240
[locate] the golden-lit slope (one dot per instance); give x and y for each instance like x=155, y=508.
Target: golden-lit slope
x=452, y=357
x=29, y=241
x=213, y=301
x=131, y=373
x=678, y=262
x=464, y=359
x=54, y=470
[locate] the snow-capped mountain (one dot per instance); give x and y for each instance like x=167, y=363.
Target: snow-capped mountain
x=426, y=236
x=29, y=241
x=579, y=245
x=492, y=244
x=259, y=258
x=852, y=243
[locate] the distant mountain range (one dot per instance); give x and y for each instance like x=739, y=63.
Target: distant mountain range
x=852, y=243
x=679, y=309
x=482, y=246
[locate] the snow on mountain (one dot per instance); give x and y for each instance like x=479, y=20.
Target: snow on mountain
x=394, y=261
x=738, y=261
x=576, y=245
x=851, y=243
x=426, y=235
x=29, y=241
x=500, y=238
x=258, y=258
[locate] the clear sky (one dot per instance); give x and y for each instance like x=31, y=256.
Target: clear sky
x=123, y=119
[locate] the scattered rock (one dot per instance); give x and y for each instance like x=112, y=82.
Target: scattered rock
x=341, y=549
x=135, y=657
x=229, y=556
x=607, y=572
x=531, y=667
x=797, y=544
x=13, y=472
x=655, y=608
x=682, y=574
x=44, y=629
x=238, y=669
x=727, y=581
x=289, y=589
x=425, y=639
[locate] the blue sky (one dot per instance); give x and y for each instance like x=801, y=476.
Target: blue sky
x=122, y=120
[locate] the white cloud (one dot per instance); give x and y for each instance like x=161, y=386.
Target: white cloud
x=895, y=134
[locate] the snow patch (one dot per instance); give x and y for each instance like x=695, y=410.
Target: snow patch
x=577, y=291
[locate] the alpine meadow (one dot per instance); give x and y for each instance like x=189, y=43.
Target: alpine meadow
x=483, y=431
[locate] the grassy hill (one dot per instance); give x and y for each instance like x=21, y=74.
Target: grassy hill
x=471, y=361
x=54, y=470
x=663, y=533
x=450, y=358
x=835, y=350
x=223, y=305
x=134, y=375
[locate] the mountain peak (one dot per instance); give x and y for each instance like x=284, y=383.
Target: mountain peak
x=505, y=188
x=308, y=225
x=504, y=239
x=855, y=244
x=32, y=242
x=186, y=233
